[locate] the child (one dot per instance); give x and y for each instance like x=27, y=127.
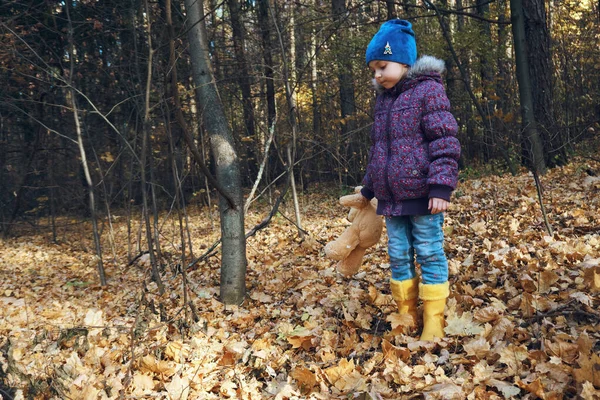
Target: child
x=412, y=170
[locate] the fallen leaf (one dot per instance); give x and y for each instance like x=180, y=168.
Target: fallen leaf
x=305, y=378
x=582, y=298
x=478, y=347
x=462, y=326
x=401, y=323
x=178, y=388
x=508, y=390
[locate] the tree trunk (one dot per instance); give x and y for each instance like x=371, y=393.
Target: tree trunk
x=346, y=79
x=291, y=145
x=316, y=106
x=540, y=73
x=391, y=9
x=243, y=78
x=233, y=248
x=146, y=148
x=71, y=98
x=532, y=142
x=265, y=24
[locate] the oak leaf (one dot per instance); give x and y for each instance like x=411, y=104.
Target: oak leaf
x=582, y=298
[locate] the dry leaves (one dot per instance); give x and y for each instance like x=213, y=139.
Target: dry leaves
x=522, y=320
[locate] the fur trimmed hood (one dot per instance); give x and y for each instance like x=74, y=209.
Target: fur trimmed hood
x=425, y=67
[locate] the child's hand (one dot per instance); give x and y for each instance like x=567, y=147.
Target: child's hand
x=438, y=205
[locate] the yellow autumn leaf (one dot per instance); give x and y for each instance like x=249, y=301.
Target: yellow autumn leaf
x=161, y=367
x=142, y=384
x=177, y=351
x=178, y=388
x=345, y=377
x=400, y=322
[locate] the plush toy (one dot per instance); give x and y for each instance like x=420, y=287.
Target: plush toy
x=364, y=232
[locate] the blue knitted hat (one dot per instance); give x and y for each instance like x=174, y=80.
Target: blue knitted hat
x=395, y=41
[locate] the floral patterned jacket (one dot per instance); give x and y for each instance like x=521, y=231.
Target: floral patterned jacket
x=414, y=152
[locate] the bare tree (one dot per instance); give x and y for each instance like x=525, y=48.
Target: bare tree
x=72, y=97
x=233, y=248
x=532, y=139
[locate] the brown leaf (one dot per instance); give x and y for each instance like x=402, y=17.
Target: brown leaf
x=528, y=284
x=306, y=379
x=528, y=305
x=589, y=369
x=567, y=352
x=478, y=347
x=345, y=377
x=161, y=367
x=534, y=387
x=401, y=323
x=487, y=314
x=393, y=353
x=547, y=279
x=376, y=297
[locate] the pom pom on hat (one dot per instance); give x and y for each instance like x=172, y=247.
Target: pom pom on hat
x=395, y=41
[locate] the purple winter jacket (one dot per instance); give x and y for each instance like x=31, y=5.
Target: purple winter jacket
x=414, y=151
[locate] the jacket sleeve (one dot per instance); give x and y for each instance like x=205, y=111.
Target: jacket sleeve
x=440, y=129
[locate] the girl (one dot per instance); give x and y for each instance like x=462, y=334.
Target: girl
x=413, y=169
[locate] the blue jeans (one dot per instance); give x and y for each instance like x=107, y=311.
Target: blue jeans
x=420, y=234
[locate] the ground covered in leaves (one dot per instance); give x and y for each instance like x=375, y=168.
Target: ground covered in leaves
x=522, y=320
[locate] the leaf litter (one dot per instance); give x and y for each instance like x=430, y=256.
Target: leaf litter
x=522, y=319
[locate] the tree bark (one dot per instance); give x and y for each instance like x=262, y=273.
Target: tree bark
x=532, y=141
x=391, y=9
x=540, y=73
x=346, y=80
x=233, y=248
x=243, y=78
x=267, y=46
x=71, y=97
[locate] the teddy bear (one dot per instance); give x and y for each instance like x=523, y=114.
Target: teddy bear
x=364, y=232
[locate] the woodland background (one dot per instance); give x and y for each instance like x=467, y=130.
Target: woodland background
x=104, y=133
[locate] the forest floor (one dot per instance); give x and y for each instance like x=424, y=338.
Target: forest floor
x=522, y=319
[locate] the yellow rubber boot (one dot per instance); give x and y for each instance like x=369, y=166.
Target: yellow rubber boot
x=434, y=302
x=405, y=293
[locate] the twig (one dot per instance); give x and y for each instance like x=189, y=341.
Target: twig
x=561, y=312
x=538, y=186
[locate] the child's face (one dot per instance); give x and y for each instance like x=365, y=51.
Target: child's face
x=387, y=73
